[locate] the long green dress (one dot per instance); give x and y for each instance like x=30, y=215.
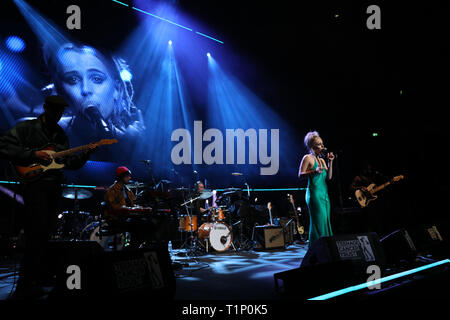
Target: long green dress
x=318, y=206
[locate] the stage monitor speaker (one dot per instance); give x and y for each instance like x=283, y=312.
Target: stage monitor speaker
x=431, y=239
x=135, y=273
x=399, y=246
x=332, y=263
x=268, y=237
x=361, y=249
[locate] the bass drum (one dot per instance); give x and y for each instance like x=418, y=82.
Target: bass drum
x=114, y=242
x=219, y=235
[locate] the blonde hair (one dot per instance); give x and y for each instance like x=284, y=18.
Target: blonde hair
x=310, y=138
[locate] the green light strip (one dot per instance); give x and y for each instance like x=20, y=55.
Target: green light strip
x=377, y=281
x=93, y=187
x=280, y=189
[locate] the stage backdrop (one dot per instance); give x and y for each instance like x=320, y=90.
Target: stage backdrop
x=166, y=85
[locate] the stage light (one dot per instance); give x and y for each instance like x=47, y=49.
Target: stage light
x=168, y=21
x=233, y=105
x=124, y=4
x=159, y=87
x=208, y=55
x=377, y=281
x=125, y=75
x=206, y=36
x=47, y=32
x=375, y=134
x=15, y=44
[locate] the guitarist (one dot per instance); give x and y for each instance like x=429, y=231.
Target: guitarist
x=374, y=215
x=21, y=145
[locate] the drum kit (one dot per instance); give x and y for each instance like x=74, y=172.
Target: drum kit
x=71, y=223
x=213, y=229
x=219, y=227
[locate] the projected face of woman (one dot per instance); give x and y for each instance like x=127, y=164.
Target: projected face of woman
x=86, y=81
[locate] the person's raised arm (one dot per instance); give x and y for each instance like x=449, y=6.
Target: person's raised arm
x=306, y=165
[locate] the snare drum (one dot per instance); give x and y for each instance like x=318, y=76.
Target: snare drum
x=186, y=221
x=218, y=214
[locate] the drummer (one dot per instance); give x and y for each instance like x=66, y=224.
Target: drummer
x=201, y=205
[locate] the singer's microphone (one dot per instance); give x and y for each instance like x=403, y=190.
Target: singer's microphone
x=94, y=116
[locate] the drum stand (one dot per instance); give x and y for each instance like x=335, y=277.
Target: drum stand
x=190, y=244
x=244, y=242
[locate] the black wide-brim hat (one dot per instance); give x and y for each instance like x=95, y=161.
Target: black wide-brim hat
x=56, y=101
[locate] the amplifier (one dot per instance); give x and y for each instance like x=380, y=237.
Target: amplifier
x=288, y=225
x=268, y=237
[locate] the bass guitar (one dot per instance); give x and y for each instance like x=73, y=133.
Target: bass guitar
x=300, y=228
x=365, y=195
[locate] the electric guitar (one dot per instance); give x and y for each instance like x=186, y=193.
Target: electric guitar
x=35, y=170
x=269, y=207
x=364, y=197
x=300, y=228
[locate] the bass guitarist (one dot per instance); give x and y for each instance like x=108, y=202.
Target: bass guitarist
x=374, y=216
x=22, y=145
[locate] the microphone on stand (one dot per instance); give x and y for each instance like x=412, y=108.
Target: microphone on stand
x=146, y=161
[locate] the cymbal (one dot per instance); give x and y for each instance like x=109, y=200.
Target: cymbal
x=232, y=189
x=136, y=185
x=181, y=189
x=206, y=195
x=236, y=174
x=76, y=193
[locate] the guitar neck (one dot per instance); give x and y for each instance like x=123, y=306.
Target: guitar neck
x=384, y=185
x=270, y=214
x=69, y=151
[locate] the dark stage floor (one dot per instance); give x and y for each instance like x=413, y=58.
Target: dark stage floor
x=217, y=276
x=235, y=275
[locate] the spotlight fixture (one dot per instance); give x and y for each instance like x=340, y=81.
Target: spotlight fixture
x=15, y=44
x=208, y=55
x=170, y=42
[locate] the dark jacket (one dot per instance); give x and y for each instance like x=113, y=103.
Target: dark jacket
x=115, y=199
x=19, y=144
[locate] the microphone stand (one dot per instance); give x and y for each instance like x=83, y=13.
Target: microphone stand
x=149, y=164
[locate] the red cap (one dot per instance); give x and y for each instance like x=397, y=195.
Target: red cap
x=121, y=170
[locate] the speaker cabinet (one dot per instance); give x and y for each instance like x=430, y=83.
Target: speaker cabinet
x=362, y=248
x=268, y=237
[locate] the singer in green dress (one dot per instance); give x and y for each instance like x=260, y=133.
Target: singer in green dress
x=317, y=171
